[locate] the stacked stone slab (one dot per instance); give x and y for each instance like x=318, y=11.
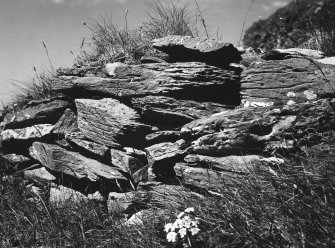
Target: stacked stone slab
x=195, y=121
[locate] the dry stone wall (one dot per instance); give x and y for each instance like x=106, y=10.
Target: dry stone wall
x=194, y=122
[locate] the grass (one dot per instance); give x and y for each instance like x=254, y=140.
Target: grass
x=110, y=43
x=293, y=207
x=37, y=88
x=321, y=29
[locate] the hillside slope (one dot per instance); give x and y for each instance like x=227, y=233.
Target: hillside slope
x=292, y=25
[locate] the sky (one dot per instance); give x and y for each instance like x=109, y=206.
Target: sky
x=25, y=24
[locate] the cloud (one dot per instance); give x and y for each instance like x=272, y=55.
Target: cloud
x=86, y=2
x=279, y=4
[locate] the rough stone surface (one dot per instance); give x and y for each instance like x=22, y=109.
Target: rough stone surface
x=249, y=129
x=24, y=134
x=207, y=179
x=165, y=152
x=48, y=112
x=286, y=82
x=135, y=153
x=80, y=71
x=62, y=196
x=191, y=80
x=66, y=124
x=58, y=159
x=40, y=174
x=110, y=122
x=125, y=162
x=167, y=111
x=78, y=141
x=187, y=48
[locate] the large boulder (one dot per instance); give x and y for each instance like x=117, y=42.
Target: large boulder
x=192, y=80
x=109, y=122
x=71, y=163
x=45, y=112
x=189, y=49
x=286, y=81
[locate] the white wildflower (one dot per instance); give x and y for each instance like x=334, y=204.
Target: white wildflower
x=182, y=232
x=169, y=227
x=290, y=102
x=171, y=237
x=291, y=94
x=189, y=210
x=195, y=231
x=187, y=221
x=195, y=223
x=180, y=215
x=178, y=223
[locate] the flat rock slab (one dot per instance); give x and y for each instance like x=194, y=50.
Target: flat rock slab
x=184, y=79
x=43, y=113
x=279, y=54
x=235, y=164
x=207, y=179
x=71, y=163
x=170, y=112
x=86, y=146
x=187, y=48
x=328, y=61
x=286, y=81
x=78, y=141
x=165, y=152
x=80, y=71
x=109, y=122
x=24, y=134
x=162, y=136
x=66, y=124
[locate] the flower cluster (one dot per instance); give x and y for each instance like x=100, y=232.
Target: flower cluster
x=310, y=94
x=185, y=227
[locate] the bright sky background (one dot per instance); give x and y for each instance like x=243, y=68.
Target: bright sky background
x=24, y=24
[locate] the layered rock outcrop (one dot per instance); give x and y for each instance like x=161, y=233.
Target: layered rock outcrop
x=184, y=124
